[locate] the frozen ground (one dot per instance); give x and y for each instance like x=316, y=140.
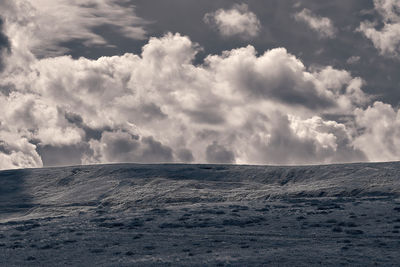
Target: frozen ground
x=129, y=215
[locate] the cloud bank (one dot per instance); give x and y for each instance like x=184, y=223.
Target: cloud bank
x=236, y=107
x=237, y=21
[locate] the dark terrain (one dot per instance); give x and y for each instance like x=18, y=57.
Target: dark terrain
x=221, y=215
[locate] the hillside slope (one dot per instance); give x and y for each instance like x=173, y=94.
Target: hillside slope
x=197, y=215
x=123, y=186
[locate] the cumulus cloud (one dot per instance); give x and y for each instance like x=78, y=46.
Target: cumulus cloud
x=380, y=130
x=239, y=106
x=322, y=25
x=387, y=38
x=43, y=26
x=236, y=107
x=281, y=76
x=292, y=140
x=236, y=21
x=17, y=151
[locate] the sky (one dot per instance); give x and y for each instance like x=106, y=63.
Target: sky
x=187, y=81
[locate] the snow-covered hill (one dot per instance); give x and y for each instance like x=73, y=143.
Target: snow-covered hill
x=123, y=186
x=200, y=214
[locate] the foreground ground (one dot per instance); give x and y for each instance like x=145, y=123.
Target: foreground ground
x=129, y=215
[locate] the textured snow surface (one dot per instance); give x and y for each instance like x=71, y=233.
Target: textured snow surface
x=130, y=214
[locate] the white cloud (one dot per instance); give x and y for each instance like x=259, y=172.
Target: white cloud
x=278, y=75
x=353, y=60
x=380, y=125
x=17, y=152
x=237, y=21
x=386, y=39
x=389, y=9
x=322, y=25
x=293, y=140
x=237, y=107
x=159, y=106
x=42, y=26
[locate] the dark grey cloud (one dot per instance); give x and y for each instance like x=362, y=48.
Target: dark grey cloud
x=152, y=111
x=216, y=153
x=290, y=88
x=4, y=148
x=74, y=118
x=90, y=133
x=185, y=155
x=62, y=155
x=125, y=147
x=155, y=151
x=206, y=115
x=5, y=45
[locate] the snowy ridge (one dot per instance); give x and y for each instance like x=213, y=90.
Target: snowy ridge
x=125, y=186
x=201, y=215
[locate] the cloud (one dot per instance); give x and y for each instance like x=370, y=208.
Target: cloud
x=37, y=118
x=66, y=155
x=164, y=105
x=216, y=153
x=236, y=107
x=17, y=152
x=4, y=44
x=280, y=76
x=387, y=38
x=185, y=155
x=322, y=25
x=379, y=127
x=288, y=139
x=237, y=21
x=44, y=26
x=122, y=146
x=353, y=60
x=296, y=141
